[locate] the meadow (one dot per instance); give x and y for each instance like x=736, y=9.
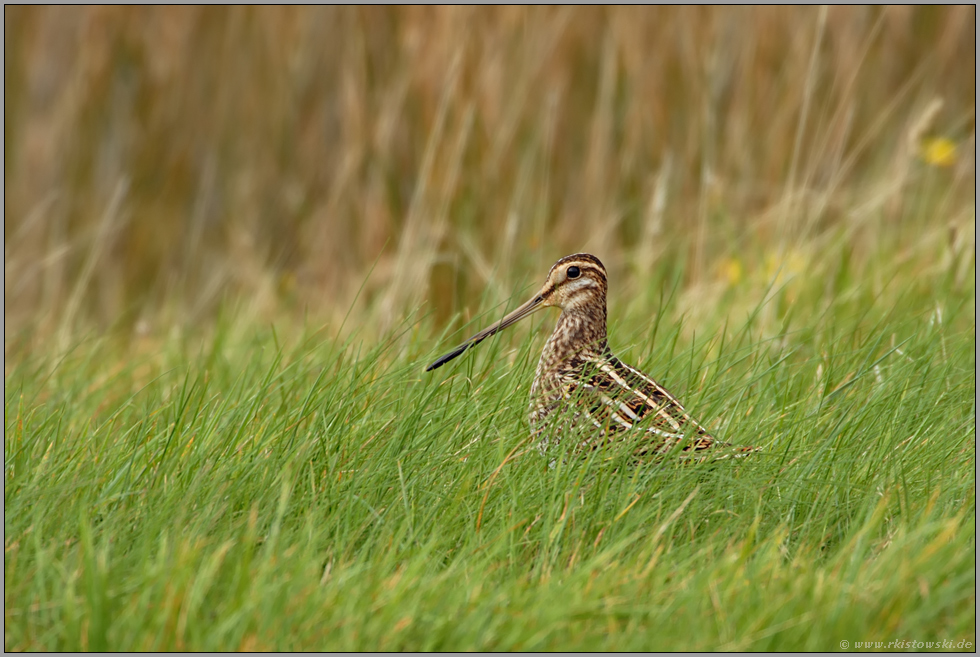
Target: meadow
x=235, y=238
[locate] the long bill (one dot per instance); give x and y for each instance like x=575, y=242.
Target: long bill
x=517, y=315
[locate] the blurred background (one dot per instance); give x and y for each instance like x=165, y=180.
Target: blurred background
x=165, y=164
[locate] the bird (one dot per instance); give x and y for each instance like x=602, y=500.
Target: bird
x=581, y=389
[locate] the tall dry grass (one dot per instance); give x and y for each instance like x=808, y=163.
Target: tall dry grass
x=161, y=162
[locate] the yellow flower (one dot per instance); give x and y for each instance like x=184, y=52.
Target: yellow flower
x=939, y=151
x=731, y=270
x=789, y=265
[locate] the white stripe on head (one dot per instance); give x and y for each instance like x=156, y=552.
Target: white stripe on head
x=579, y=284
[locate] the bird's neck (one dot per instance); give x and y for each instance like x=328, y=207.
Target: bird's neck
x=579, y=336
x=579, y=329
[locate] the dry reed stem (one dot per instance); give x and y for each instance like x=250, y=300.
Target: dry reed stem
x=275, y=154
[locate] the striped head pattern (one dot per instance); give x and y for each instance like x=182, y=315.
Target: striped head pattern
x=576, y=284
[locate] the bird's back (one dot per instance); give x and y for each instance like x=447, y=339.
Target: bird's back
x=601, y=399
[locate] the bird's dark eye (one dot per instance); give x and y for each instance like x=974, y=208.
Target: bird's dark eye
x=573, y=272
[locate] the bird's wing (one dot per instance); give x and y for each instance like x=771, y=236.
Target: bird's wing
x=616, y=397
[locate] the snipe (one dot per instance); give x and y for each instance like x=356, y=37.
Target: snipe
x=582, y=385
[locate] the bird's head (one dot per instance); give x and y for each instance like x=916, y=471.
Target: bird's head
x=576, y=283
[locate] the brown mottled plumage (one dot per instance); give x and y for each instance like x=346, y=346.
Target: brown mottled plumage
x=580, y=387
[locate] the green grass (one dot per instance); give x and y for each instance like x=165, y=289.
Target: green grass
x=252, y=491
